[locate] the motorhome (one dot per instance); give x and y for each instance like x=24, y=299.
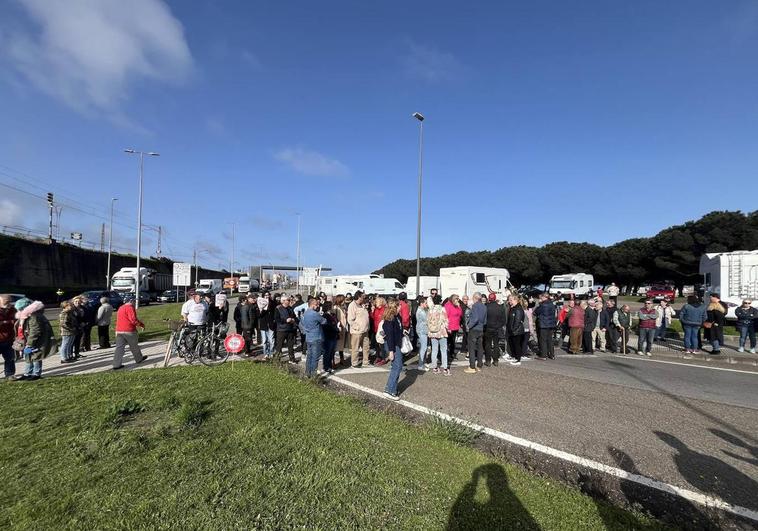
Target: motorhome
x=734, y=276
x=577, y=284
x=467, y=280
x=426, y=284
x=379, y=286
x=151, y=283
x=341, y=284
x=210, y=285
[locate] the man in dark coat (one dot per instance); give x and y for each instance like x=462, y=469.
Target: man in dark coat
x=496, y=316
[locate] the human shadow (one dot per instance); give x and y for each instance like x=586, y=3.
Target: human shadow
x=631, y=371
x=711, y=475
x=672, y=508
x=409, y=378
x=736, y=441
x=501, y=510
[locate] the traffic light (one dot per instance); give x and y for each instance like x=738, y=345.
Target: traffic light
x=50, y=198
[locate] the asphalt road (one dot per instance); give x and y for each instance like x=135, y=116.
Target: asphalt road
x=691, y=426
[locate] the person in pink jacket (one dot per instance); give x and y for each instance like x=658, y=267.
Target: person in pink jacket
x=454, y=316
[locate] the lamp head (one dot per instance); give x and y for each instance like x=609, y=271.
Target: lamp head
x=418, y=116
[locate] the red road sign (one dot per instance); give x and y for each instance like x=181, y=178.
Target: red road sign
x=234, y=343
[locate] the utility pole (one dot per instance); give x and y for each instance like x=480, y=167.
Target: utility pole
x=50, y=205
x=420, y=117
x=297, y=267
x=58, y=210
x=102, y=237
x=194, y=261
x=231, y=266
x=110, y=248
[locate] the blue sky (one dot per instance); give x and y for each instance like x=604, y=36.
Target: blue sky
x=545, y=121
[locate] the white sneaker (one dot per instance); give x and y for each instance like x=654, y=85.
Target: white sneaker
x=508, y=358
x=515, y=363
x=424, y=369
x=390, y=397
x=741, y=349
x=752, y=351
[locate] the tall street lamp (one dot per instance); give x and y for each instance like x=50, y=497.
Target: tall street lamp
x=139, y=218
x=110, y=247
x=297, y=267
x=420, y=117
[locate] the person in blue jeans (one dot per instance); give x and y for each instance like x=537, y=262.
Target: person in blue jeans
x=393, y=340
x=314, y=337
x=692, y=316
x=746, y=321
x=422, y=331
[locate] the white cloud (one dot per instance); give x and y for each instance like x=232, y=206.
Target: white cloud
x=309, y=162
x=86, y=53
x=10, y=212
x=429, y=64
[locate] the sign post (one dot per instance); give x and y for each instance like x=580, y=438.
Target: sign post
x=182, y=277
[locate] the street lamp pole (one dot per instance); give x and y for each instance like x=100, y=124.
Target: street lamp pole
x=298, y=253
x=110, y=248
x=231, y=266
x=138, y=279
x=420, y=117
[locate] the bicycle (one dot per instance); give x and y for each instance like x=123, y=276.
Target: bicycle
x=178, y=343
x=210, y=349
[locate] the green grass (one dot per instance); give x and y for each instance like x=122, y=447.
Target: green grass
x=153, y=316
x=248, y=447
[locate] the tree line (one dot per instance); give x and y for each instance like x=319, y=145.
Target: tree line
x=672, y=254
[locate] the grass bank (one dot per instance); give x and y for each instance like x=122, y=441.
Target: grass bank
x=153, y=316
x=247, y=446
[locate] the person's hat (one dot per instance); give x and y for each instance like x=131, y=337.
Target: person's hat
x=492, y=297
x=22, y=303
x=715, y=295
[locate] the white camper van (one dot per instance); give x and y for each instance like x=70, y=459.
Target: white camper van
x=734, y=276
x=426, y=284
x=577, y=284
x=341, y=284
x=379, y=286
x=467, y=280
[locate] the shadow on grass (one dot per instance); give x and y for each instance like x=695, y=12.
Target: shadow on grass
x=500, y=508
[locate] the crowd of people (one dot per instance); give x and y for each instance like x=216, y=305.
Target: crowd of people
x=376, y=330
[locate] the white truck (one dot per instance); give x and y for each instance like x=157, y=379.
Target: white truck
x=247, y=284
x=577, y=284
x=467, y=280
x=210, y=285
x=151, y=283
x=734, y=276
x=426, y=284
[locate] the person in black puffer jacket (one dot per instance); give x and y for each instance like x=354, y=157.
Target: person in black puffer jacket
x=716, y=316
x=496, y=317
x=515, y=329
x=393, y=340
x=286, y=322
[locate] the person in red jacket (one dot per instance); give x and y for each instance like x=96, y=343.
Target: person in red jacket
x=7, y=333
x=126, y=333
x=405, y=311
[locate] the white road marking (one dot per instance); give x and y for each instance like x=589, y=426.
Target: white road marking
x=637, y=358
x=691, y=496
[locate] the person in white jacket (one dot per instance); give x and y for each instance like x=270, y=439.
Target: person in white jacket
x=104, y=316
x=664, y=314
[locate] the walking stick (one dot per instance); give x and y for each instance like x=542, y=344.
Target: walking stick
x=623, y=340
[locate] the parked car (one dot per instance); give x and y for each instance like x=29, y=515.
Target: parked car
x=662, y=292
x=170, y=295
x=92, y=298
x=530, y=291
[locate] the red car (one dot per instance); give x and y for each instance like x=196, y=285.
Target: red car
x=658, y=292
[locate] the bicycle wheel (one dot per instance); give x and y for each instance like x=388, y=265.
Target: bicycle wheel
x=212, y=352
